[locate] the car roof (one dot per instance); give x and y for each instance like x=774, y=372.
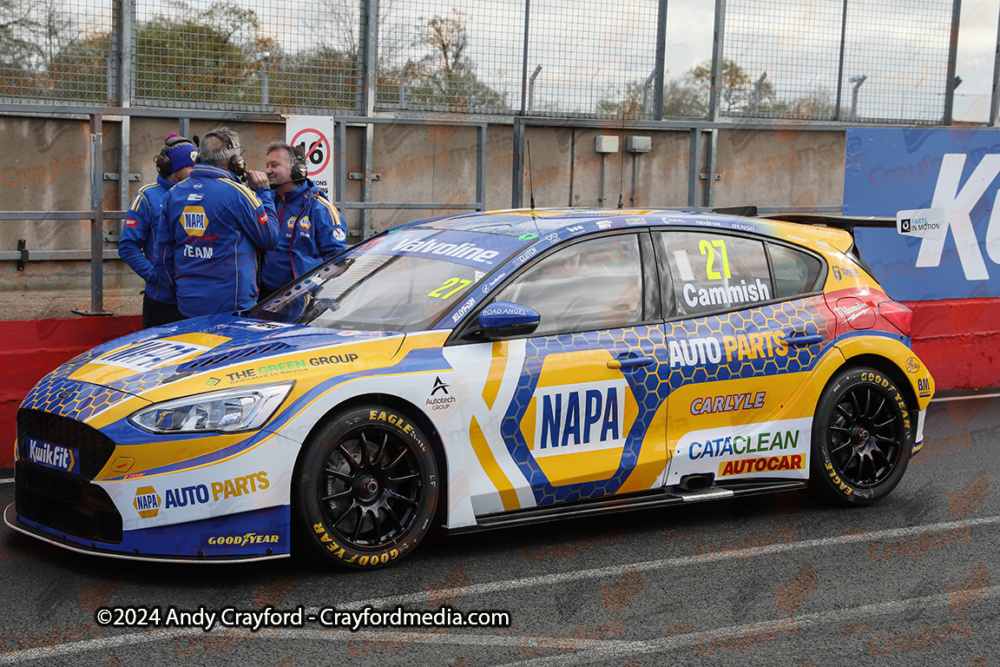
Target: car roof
x=517, y=222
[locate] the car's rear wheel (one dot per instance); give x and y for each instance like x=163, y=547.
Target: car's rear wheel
x=365, y=490
x=862, y=438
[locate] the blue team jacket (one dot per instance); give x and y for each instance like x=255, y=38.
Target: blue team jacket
x=207, y=238
x=310, y=231
x=139, y=236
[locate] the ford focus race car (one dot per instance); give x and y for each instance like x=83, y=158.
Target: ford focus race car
x=478, y=371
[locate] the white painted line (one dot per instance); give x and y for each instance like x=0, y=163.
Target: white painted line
x=964, y=398
x=7, y=481
x=611, y=572
x=624, y=649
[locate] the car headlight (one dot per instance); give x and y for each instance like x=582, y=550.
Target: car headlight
x=227, y=411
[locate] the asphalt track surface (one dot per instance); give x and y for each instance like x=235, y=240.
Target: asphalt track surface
x=773, y=580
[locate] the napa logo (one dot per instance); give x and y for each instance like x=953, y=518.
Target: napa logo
x=194, y=220
x=579, y=418
x=147, y=502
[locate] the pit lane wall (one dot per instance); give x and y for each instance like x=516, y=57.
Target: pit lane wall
x=950, y=278
x=32, y=348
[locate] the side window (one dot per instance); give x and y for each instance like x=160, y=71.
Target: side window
x=712, y=272
x=795, y=272
x=595, y=284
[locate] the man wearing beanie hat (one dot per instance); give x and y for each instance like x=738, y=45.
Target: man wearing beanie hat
x=173, y=164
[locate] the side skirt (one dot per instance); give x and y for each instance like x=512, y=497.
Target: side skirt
x=635, y=501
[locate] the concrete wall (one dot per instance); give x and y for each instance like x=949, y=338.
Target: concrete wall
x=46, y=167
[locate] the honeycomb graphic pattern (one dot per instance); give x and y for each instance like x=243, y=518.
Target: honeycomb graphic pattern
x=84, y=401
x=652, y=384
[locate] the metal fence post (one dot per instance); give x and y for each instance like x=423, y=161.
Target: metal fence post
x=524, y=57
x=840, y=66
x=661, y=61
x=517, y=175
x=126, y=29
x=995, y=100
x=949, y=93
x=97, y=219
x=369, y=73
x=717, y=62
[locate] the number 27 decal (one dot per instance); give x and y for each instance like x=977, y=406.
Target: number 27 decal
x=706, y=249
x=457, y=283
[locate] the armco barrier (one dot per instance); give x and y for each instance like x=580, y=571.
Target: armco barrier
x=32, y=348
x=958, y=339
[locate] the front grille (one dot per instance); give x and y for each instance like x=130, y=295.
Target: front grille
x=95, y=447
x=68, y=505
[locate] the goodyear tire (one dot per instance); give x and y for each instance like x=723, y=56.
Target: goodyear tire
x=862, y=438
x=365, y=489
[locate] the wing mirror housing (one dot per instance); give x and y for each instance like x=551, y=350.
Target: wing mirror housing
x=503, y=319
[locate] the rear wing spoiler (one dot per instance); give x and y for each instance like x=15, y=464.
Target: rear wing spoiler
x=845, y=222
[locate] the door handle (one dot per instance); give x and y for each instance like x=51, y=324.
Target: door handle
x=804, y=339
x=631, y=362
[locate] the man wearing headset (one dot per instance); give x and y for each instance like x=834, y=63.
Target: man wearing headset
x=310, y=229
x=173, y=164
x=211, y=227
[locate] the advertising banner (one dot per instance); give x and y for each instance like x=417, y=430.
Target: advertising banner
x=941, y=187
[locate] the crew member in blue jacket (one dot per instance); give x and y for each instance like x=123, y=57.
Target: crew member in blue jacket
x=310, y=229
x=173, y=164
x=211, y=227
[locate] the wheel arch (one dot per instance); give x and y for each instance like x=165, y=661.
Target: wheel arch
x=889, y=367
x=407, y=408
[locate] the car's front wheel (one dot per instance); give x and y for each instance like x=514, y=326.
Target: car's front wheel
x=862, y=438
x=365, y=489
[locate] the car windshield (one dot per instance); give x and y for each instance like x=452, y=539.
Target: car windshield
x=406, y=281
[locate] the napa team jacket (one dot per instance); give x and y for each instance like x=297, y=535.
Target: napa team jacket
x=210, y=228
x=139, y=236
x=310, y=231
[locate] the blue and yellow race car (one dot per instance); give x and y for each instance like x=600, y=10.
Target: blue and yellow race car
x=478, y=371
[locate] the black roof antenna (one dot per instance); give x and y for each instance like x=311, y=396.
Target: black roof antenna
x=621, y=170
x=531, y=188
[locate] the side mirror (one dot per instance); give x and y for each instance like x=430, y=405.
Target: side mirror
x=503, y=318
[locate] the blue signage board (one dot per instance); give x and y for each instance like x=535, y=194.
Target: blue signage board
x=954, y=171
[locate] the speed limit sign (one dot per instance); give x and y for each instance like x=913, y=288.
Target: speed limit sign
x=313, y=135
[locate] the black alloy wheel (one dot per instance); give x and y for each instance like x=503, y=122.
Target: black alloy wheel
x=366, y=489
x=862, y=437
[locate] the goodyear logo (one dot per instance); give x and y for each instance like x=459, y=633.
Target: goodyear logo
x=56, y=457
x=242, y=540
x=194, y=220
x=147, y=502
x=726, y=349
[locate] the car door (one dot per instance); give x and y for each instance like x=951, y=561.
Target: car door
x=574, y=409
x=740, y=354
